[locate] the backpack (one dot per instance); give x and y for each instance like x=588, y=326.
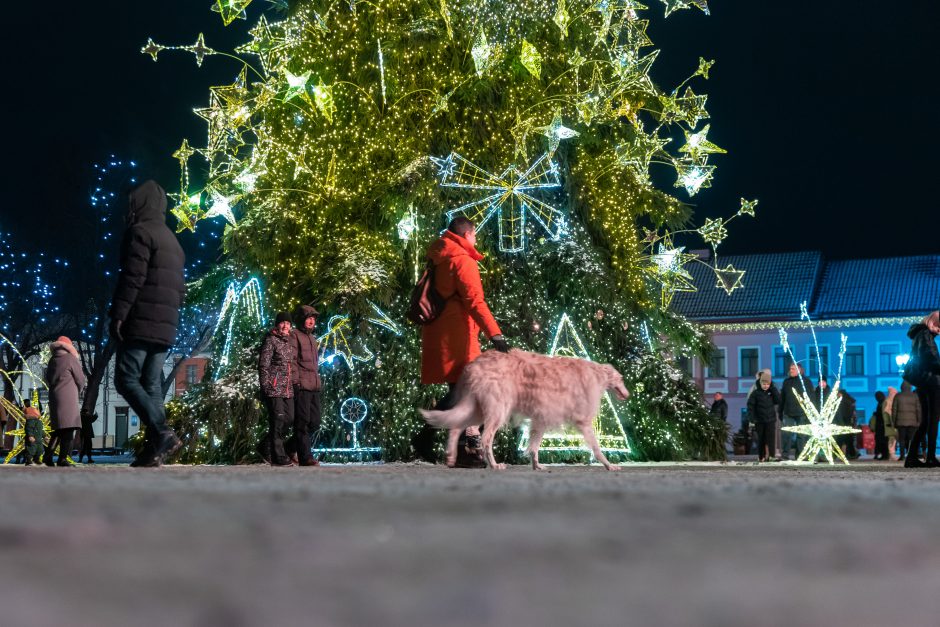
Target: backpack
x=426, y=304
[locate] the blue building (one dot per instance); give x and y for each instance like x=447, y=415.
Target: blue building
x=872, y=301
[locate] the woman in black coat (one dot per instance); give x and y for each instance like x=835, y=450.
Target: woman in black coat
x=878, y=426
x=923, y=371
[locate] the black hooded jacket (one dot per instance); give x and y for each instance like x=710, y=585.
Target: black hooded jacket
x=150, y=287
x=924, y=354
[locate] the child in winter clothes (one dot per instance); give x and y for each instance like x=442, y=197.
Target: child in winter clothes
x=887, y=415
x=762, y=407
x=34, y=436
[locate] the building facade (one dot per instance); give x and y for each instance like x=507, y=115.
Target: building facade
x=872, y=301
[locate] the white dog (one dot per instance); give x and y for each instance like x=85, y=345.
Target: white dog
x=550, y=391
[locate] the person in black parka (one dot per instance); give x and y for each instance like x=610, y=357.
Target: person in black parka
x=923, y=370
x=791, y=411
x=762, y=407
x=145, y=316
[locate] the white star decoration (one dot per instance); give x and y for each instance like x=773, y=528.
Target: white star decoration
x=820, y=429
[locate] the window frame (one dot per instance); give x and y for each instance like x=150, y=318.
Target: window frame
x=741, y=373
x=724, y=358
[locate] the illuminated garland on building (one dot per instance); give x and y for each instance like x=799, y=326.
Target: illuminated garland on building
x=802, y=325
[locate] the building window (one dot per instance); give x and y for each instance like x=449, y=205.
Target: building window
x=716, y=365
x=191, y=374
x=818, y=362
x=782, y=361
x=748, y=362
x=886, y=354
x=685, y=364
x=855, y=360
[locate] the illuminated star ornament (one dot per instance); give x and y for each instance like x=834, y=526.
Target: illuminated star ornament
x=821, y=430
x=562, y=18
x=667, y=267
x=296, y=85
x=694, y=176
x=508, y=197
x=747, y=207
x=729, y=278
x=697, y=145
x=704, y=67
x=199, y=49
x=714, y=231
x=231, y=10
x=152, y=48
x=556, y=131
x=531, y=59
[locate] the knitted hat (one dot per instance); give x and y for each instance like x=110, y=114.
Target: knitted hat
x=282, y=316
x=765, y=377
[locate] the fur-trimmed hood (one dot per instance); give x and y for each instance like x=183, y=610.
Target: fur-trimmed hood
x=62, y=345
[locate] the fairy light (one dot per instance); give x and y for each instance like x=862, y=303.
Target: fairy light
x=319, y=200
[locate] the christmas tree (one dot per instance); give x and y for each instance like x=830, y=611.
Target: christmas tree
x=355, y=130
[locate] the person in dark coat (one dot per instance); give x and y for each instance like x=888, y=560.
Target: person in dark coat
x=719, y=408
x=792, y=413
x=762, y=406
x=924, y=369
x=88, y=432
x=306, y=386
x=847, y=417
x=145, y=315
x=66, y=380
x=451, y=341
x=35, y=434
x=877, y=425
x=276, y=368
x=907, y=417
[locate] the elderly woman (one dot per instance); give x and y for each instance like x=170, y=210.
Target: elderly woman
x=66, y=380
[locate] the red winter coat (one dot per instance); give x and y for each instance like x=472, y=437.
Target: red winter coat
x=452, y=341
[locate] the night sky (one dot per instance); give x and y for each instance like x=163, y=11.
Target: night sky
x=828, y=111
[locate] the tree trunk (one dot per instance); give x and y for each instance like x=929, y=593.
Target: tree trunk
x=95, y=379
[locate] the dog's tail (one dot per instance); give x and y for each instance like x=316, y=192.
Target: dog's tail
x=460, y=416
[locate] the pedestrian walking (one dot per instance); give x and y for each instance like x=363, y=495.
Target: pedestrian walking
x=907, y=418
x=65, y=380
x=276, y=372
x=923, y=371
x=762, y=407
x=88, y=432
x=451, y=341
x=35, y=434
x=306, y=386
x=887, y=419
x=145, y=315
x=791, y=410
x=877, y=424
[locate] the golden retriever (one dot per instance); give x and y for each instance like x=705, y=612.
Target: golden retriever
x=550, y=391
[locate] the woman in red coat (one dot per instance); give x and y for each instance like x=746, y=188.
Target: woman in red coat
x=452, y=341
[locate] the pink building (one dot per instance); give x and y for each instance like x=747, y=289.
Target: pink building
x=872, y=301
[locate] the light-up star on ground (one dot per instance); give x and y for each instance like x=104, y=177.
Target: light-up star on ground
x=820, y=429
x=508, y=197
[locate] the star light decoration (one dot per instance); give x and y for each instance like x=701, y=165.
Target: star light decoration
x=507, y=197
x=729, y=278
x=697, y=144
x=482, y=53
x=667, y=268
x=531, y=59
x=714, y=231
x=556, y=131
x=231, y=10
x=747, y=207
x=199, y=49
x=562, y=18
x=821, y=430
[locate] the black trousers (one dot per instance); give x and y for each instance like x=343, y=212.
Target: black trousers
x=423, y=441
x=766, y=436
x=306, y=422
x=929, y=396
x=64, y=439
x=87, y=435
x=280, y=417
x=905, y=438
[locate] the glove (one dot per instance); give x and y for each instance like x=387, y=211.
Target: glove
x=115, y=330
x=500, y=343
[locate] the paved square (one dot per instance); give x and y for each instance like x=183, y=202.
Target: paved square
x=712, y=545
